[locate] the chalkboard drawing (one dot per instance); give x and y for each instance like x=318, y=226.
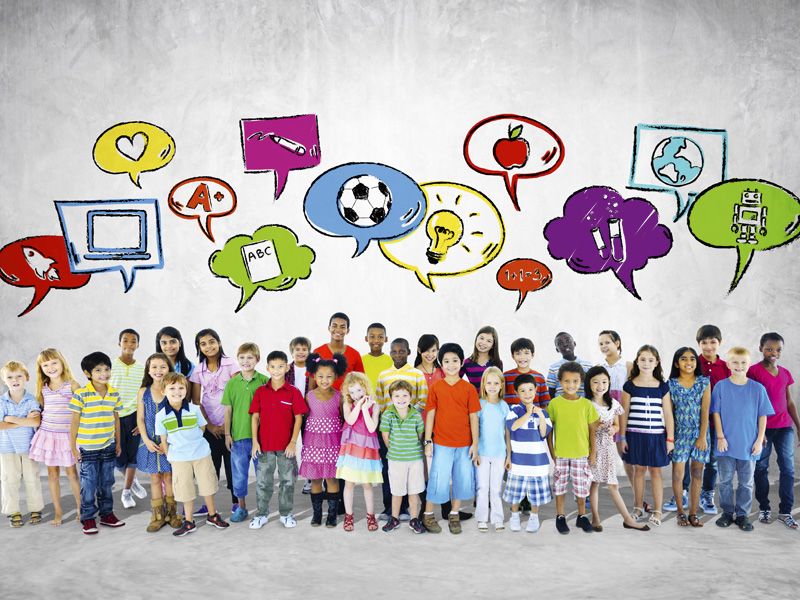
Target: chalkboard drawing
x=365, y=201
x=463, y=232
x=280, y=144
x=202, y=198
x=679, y=160
x=496, y=146
x=112, y=235
x=270, y=259
x=751, y=202
x=524, y=275
x=40, y=262
x=133, y=148
x=601, y=231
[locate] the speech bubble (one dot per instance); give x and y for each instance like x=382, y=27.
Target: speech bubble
x=133, y=148
x=280, y=144
x=462, y=232
x=678, y=160
x=403, y=201
x=514, y=147
x=270, y=259
x=39, y=262
x=746, y=214
x=601, y=230
x=112, y=235
x=524, y=275
x=202, y=198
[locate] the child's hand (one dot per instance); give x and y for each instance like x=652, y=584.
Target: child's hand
x=473, y=454
x=537, y=411
x=256, y=449
x=700, y=444
x=119, y=448
x=477, y=460
x=757, y=447
x=152, y=446
x=670, y=447
x=76, y=454
x=508, y=463
x=368, y=403
x=722, y=444
x=592, y=459
x=612, y=430
x=623, y=447
x=291, y=449
x=216, y=430
x=135, y=430
x=429, y=451
x=229, y=441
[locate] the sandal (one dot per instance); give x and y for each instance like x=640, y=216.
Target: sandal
x=681, y=520
x=765, y=516
x=16, y=520
x=638, y=517
x=655, y=520
x=647, y=507
x=788, y=521
x=348, y=523
x=36, y=517
x=372, y=524
x=694, y=521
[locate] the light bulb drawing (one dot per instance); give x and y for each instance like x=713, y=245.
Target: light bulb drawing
x=445, y=229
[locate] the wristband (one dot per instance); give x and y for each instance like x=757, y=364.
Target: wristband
x=227, y=435
x=292, y=442
x=622, y=438
x=720, y=437
x=670, y=441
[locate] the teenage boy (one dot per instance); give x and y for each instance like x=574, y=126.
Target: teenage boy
x=565, y=346
x=126, y=378
x=523, y=351
x=299, y=348
x=339, y=327
x=740, y=407
x=375, y=362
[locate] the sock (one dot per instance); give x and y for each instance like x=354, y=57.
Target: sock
x=427, y=513
x=453, y=512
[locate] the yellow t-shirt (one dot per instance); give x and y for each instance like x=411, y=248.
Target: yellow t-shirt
x=571, y=420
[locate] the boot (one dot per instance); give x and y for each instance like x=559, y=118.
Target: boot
x=316, y=505
x=333, y=508
x=172, y=517
x=157, y=520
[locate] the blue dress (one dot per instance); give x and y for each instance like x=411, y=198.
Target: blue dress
x=146, y=461
x=686, y=404
x=647, y=438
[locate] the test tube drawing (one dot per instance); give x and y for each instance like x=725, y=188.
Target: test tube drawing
x=598, y=241
x=616, y=241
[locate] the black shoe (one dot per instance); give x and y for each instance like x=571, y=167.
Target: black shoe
x=584, y=524
x=725, y=520
x=316, y=506
x=744, y=523
x=464, y=516
x=333, y=509
x=392, y=524
x=446, y=507
x=186, y=527
x=561, y=524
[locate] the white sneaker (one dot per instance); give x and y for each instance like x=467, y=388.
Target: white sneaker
x=513, y=523
x=288, y=521
x=258, y=522
x=307, y=487
x=137, y=489
x=533, y=524
x=127, y=499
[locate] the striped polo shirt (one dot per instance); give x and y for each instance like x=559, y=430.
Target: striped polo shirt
x=415, y=377
x=646, y=414
x=529, y=456
x=404, y=442
x=96, y=428
x=185, y=441
x=127, y=379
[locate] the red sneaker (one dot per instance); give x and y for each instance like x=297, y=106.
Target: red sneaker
x=111, y=521
x=89, y=527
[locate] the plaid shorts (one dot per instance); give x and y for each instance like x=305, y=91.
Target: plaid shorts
x=578, y=468
x=537, y=489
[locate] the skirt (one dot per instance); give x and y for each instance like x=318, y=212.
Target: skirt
x=53, y=448
x=646, y=449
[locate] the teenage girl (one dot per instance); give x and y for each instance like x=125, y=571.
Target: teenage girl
x=51, y=442
x=484, y=354
x=322, y=436
x=690, y=393
x=647, y=428
x=170, y=342
x=359, y=460
x=490, y=465
x=427, y=359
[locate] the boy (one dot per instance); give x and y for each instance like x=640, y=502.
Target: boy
x=452, y=420
x=126, y=378
x=523, y=351
x=527, y=462
x=95, y=441
x=401, y=431
x=779, y=431
x=740, y=407
x=181, y=426
x=565, y=346
x=574, y=421
x=20, y=414
x=376, y=362
x=236, y=399
x=339, y=327
x=277, y=413
x=299, y=348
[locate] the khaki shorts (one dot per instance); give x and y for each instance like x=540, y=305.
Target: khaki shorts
x=184, y=473
x=406, y=477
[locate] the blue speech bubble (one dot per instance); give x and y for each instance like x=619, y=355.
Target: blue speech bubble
x=406, y=212
x=112, y=235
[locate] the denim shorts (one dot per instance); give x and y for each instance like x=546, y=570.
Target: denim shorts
x=451, y=463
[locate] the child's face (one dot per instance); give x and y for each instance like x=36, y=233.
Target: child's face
x=523, y=358
x=324, y=377
x=527, y=393
x=401, y=399
x=565, y=345
x=599, y=385
x=738, y=364
x=493, y=385
x=247, y=361
x=571, y=383
x=170, y=345
x=376, y=338
x=451, y=363
x=687, y=363
x=129, y=343
x=772, y=351
x=175, y=393
x=158, y=368
x=338, y=329
x=356, y=392
x=299, y=354
x=484, y=342
x=647, y=362
x=709, y=347
x=52, y=369
x=209, y=346
x=14, y=380
x=429, y=356
x=608, y=345
x=99, y=375
x=277, y=369
x=399, y=354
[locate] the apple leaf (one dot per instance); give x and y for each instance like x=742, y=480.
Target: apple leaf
x=515, y=132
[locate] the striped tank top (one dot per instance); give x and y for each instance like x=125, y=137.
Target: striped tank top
x=57, y=415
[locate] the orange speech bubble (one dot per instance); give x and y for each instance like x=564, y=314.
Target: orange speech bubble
x=202, y=198
x=524, y=275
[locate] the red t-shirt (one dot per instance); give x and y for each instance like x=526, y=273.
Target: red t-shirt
x=776, y=390
x=354, y=362
x=453, y=405
x=716, y=371
x=278, y=409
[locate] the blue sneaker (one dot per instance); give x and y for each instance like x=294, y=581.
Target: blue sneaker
x=201, y=512
x=239, y=515
x=671, y=505
x=707, y=503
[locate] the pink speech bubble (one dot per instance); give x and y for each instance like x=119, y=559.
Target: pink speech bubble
x=524, y=275
x=513, y=147
x=202, y=198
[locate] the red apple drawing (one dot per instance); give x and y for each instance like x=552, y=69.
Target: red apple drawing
x=512, y=152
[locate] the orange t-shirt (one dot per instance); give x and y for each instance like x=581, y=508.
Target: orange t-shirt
x=453, y=405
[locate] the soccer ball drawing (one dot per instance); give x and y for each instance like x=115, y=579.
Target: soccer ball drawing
x=364, y=200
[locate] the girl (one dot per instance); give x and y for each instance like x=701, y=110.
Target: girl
x=604, y=469
x=647, y=429
x=150, y=458
x=690, y=393
x=427, y=359
x=322, y=436
x=485, y=354
x=359, y=460
x=491, y=449
x=208, y=384
x=170, y=342
x=51, y=443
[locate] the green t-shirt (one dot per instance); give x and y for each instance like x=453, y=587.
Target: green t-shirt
x=374, y=366
x=571, y=420
x=239, y=395
x=127, y=379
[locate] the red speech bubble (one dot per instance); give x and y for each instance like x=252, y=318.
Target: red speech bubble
x=514, y=147
x=39, y=262
x=524, y=275
x=202, y=198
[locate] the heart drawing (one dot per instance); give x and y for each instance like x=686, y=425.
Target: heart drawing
x=132, y=147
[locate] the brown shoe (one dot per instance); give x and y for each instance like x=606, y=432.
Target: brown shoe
x=157, y=520
x=454, y=523
x=171, y=516
x=429, y=521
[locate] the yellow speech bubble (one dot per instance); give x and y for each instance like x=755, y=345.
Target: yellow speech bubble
x=133, y=148
x=462, y=232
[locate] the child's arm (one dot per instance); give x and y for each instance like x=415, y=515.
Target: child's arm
x=148, y=443
x=791, y=407
x=73, y=435
x=254, y=421
x=524, y=419
x=32, y=420
x=762, y=428
x=669, y=421
x=722, y=443
x=117, y=432
x=385, y=435
x=593, y=442
x=371, y=414
x=351, y=413
x=542, y=421
x=429, y=432
x=164, y=444
x=705, y=404
x=291, y=447
x=508, y=450
x=474, y=427
x=623, y=421
x=227, y=426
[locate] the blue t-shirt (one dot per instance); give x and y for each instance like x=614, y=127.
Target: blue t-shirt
x=17, y=440
x=492, y=437
x=739, y=407
x=182, y=428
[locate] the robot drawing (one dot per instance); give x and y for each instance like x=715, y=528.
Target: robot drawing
x=749, y=216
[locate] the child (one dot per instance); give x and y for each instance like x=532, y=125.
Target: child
x=647, y=428
x=180, y=425
x=453, y=420
x=55, y=385
x=779, y=432
x=565, y=346
x=20, y=413
x=339, y=327
x=299, y=348
x=574, y=421
x=402, y=429
x=150, y=457
x=527, y=463
x=486, y=353
x=522, y=351
x=126, y=378
x=740, y=407
x=375, y=362
x=95, y=441
x=277, y=411
x=359, y=460
x=604, y=468
x=237, y=400
x=690, y=395
x=492, y=451
x=427, y=359
x=170, y=342
x=323, y=435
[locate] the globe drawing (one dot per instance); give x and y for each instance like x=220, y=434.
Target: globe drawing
x=677, y=161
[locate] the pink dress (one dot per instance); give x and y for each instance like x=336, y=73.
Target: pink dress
x=50, y=444
x=322, y=438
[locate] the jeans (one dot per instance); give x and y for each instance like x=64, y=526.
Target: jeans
x=744, y=492
x=783, y=440
x=220, y=455
x=265, y=482
x=240, y=465
x=710, y=471
x=97, y=478
x=386, y=487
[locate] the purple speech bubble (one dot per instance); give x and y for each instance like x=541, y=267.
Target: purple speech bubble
x=601, y=230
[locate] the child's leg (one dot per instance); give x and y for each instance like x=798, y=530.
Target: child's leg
x=369, y=498
x=188, y=510
x=105, y=499
x=240, y=469
x=75, y=484
x=710, y=470
x=697, y=482
x=638, y=485
x=678, y=469
x=579, y=472
x=155, y=485
x=744, y=489
x=287, y=477
x=497, y=469
x=316, y=486
x=463, y=474
x=761, y=474
x=783, y=440
x=413, y=506
x=727, y=468
x=167, y=479
x=333, y=485
x=207, y=482
x=89, y=474
x=620, y=504
x=594, y=496
x=657, y=486
x=561, y=479
x=483, y=472
x=265, y=482
x=10, y=476
x=130, y=473
x=349, y=488
x=212, y=509
x=396, y=502
x=53, y=473
x=439, y=479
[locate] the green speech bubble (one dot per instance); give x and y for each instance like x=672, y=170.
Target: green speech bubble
x=746, y=214
x=269, y=259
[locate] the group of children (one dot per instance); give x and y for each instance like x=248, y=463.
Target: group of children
x=447, y=430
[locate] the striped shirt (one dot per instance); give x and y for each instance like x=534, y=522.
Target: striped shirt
x=185, y=441
x=17, y=440
x=542, y=394
x=96, y=428
x=57, y=416
x=552, y=374
x=529, y=457
x=415, y=377
x=646, y=415
x=127, y=379
x=474, y=371
x=404, y=442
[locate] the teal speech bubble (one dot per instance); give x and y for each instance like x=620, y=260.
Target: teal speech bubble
x=745, y=214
